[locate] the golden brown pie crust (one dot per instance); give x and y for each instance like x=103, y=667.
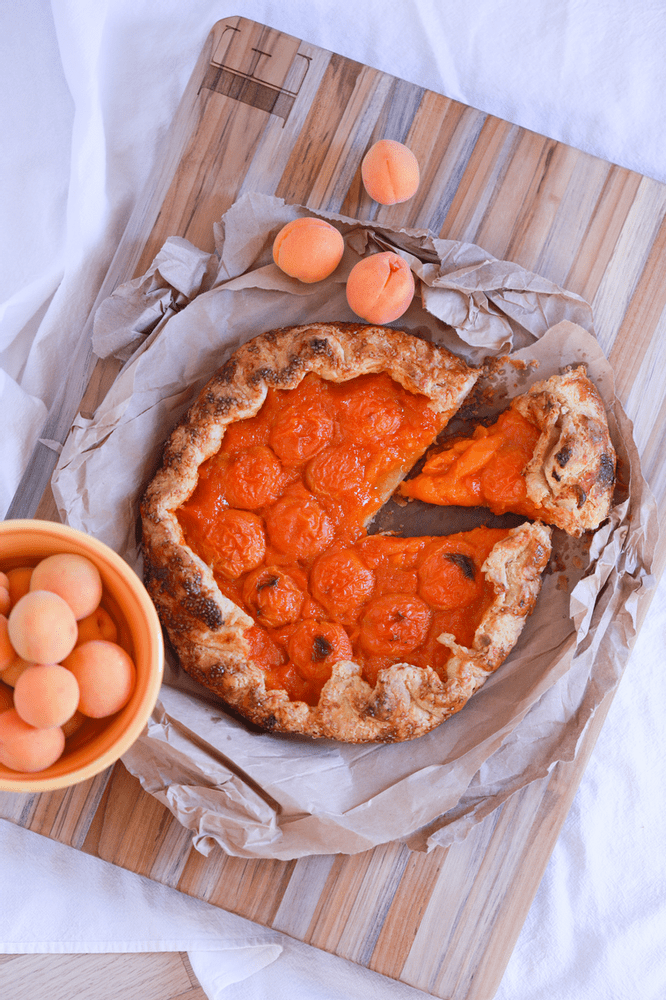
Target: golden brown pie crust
x=568, y=460
x=571, y=475
x=207, y=629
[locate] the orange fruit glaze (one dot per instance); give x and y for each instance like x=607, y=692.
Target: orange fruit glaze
x=279, y=513
x=485, y=469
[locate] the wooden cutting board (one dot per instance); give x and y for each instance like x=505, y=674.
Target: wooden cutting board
x=270, y=113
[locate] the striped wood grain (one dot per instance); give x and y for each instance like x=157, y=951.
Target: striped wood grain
x=444, y=922
x=167, y=976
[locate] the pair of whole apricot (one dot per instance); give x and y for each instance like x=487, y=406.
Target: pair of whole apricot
x=380, y=287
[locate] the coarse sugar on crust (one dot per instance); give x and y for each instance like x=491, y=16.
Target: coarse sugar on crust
x=208, y=630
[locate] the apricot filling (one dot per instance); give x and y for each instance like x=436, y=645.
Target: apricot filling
x=484, y=470
x=280, y=514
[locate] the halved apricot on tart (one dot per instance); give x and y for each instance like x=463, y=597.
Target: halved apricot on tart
x=257, y=553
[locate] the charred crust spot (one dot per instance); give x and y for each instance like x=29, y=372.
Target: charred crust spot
x=320, y=345
x=606, y=474
x=563, y=456
x=556, y=476
x=205, y=609
x=271, y=581
x=220, y=405
x=464, y=564
x=199, y=605
x=226, y=373
x=321, y=648
x=262, y=375
x=270, y=722
x=581, y=494
x=276, y=378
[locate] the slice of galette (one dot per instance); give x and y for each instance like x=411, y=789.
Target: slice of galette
x=256, y=550
x=548, y=456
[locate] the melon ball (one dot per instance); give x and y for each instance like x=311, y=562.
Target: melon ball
x=105, y=673
x=98, y=625
x=380, y=287
x=71, y=576
x=14, y=671
x=390, y=172
x=7, y=651
x=308, y=249
x=42, y=627
x=6, y=697
x=19, y=582
x=5, y=600
x=46, y=695
x=24, y=747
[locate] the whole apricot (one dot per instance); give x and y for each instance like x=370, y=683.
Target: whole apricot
x=75, y=578
x=98, y=625
x=6, y=697
x=11, y=674
x=42, y=627
x=380, y=287
x=73, y=724
x=46, y=695
x=390, y=172
x=24, y=747
x=7, y=651
x=308, y=249
x=19, y=582
x=5, y=600
x=105, y=674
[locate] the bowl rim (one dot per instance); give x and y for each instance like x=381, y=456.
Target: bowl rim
x=32, y=782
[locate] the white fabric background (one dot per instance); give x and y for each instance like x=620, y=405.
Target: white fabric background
x=88, y=89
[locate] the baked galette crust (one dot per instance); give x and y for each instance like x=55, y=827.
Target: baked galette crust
x=571, y=475
x=207, y=629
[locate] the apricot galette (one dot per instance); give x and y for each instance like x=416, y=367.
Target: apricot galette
x=258, y=559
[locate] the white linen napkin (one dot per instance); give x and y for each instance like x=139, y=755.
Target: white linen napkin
x=595, y=930
x=88, y=91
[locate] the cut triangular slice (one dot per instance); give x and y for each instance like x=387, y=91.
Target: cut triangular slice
x=549, y=456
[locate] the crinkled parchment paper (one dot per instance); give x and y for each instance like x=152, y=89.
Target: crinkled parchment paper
x=271, y=796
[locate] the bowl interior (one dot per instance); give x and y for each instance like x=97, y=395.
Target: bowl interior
x=99, y=742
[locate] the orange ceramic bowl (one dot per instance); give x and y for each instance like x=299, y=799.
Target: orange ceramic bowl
x=99, y=742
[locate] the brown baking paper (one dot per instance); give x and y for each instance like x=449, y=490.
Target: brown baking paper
x=273, y=796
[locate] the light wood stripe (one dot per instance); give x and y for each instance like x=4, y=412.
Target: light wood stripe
x=630, y=253
x=444, y=922
x=99, y=977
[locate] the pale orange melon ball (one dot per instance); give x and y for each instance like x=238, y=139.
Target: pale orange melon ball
x=71, y=576
x=98, y=625
x=19, y=582
x=42, y=627
x=46, y=695
x=105, y=674
x=308, y=249
x=390, y=172
x=24, y=747
x=380, y=287
x=7, y=651
x=5, y=600
x=6, y=697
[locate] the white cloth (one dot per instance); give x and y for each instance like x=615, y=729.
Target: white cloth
x=88, y=91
